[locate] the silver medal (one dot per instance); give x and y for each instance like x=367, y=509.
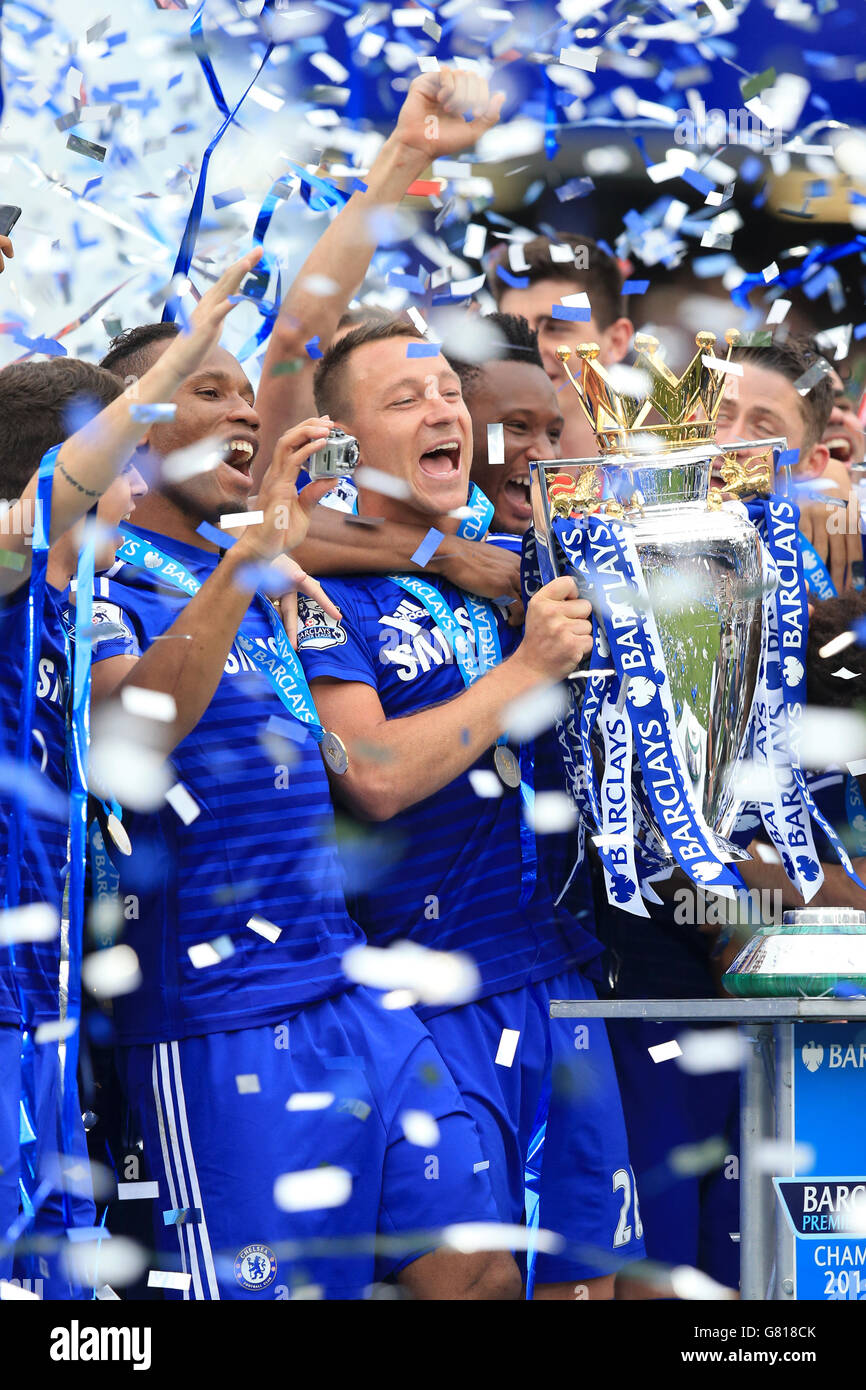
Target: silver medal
x=334, y=753
x=507, y=765
x=118, y=834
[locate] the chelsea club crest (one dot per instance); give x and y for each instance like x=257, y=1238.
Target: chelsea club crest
x=255, y=1267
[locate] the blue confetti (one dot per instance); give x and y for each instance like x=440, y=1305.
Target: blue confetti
x=231, y=195
x=291, y=729
x=573, y=315
x=413, y=283
x=517, y=282
x=635, y=287
x=219, y=538
x=312, y=348
x=423, y=349
x=860, y=331
x=788, y=457
x=428, y=547
x=574, y=188
x=698, y=181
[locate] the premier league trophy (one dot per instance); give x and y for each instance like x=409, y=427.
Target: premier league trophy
x=700, y=621
x=675, y=578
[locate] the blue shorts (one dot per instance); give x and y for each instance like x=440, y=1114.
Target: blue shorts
x=212, y=1111
x=688, y=1217
x=35, y=1157
x=586, y=1187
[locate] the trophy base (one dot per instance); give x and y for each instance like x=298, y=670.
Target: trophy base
x=811, y=954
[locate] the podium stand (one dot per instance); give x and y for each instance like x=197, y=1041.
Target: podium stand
x=802, y=1233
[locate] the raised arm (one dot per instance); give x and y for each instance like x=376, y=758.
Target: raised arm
x=189, y=669
x=431, y=125
x=90, y=459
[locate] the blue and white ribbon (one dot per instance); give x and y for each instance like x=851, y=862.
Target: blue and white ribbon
x=781, y=699
x=613, y=569
x=817, y=575
x=474, y=661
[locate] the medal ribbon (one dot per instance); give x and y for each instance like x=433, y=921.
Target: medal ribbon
x=471, y=528
x=611, y=805
x=472, y=664
x=786, y=624
x=613, y=567
x=283, y=671
x=817, y=575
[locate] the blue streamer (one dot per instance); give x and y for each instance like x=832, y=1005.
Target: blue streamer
x=193, y=221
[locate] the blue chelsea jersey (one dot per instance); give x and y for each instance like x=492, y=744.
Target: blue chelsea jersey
x=446, y=871
x=29, y=992
x=262, y=843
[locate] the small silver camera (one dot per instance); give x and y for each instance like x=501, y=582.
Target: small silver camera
x=337, y=456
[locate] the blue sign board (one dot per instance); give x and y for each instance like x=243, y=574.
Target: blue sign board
x=826, y=1206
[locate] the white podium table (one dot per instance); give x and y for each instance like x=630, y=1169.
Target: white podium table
x=770, y=1252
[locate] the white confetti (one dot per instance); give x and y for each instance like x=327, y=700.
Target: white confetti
x=202, y=457
x=313, y=1190
x=485, y=783
x=537, y=710
x=434, y=977
x=168, y=1279
x=264, y=928
x=718, y=364
x=112, y=972
x=231, y=520
x=471, y=1236
x=843, y=674
x=578, y=58
x=823, y=733
x=766, y=853
x=115, y=1260
x=474, y=241
x=385, y=483
x=712, y=1049
x=778, y=310
x=33, y=922
x=204, y=953
x=836, y=645
x=782, y=1158
x=55, y=1031
x=507, y=1048
x=420, y=1128
x=550, y=813
x=137, y=1191
x=770, y=272
x=148, y=704
x=182, y=803
x=248, y=1084
x=694, y=1286
x=310, y=1100
x=496, y=444
x=399, y=999
x=665, y=1052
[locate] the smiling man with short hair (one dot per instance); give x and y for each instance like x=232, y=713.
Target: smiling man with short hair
x=418, y=677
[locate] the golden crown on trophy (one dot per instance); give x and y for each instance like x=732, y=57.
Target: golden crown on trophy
x=618, y=418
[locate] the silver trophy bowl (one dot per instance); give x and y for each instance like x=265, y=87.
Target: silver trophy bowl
x=702, y=567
